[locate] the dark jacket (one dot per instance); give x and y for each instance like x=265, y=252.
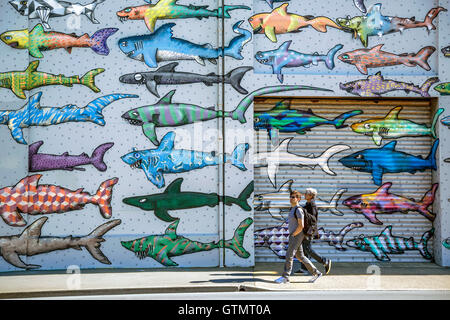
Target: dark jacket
x=312, y=209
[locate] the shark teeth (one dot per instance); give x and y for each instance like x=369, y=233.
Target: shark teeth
x=135, y=122
x=136, y=165
x=122, y=19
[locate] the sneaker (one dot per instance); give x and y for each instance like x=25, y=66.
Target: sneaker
x=327, y=266
x=315, y=277
x=282, y=280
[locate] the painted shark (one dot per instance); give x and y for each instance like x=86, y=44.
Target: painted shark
x=379, y=161
x=166, y=113
x=166, y=75
x=278, y=205
x=391, y=127
x=446, y=51
x=376, y=85
x=174, y=199
x=166, y=159
x=284, y=58
x=46, y=9
x=385, y=243
x=383, y=202
x=32, y=114
x=162, y=46
x=375, y=24
x=164, y=247
x=280, y=156
x=18, y=81
x=30, y=243
x=443, y=88
x=44, y=162
x=27, y=196
x=169, y=9
x=277, y=238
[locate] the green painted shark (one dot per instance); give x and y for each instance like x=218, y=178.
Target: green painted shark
x=163, y=247
x=173, y=199
x=391, y=127
x=18, y=81
x=443, y=88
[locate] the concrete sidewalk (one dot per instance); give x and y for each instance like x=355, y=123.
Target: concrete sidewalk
x=343, y=277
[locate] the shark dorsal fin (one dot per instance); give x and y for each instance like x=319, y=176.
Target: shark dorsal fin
x=35, y=101
x=377, y=48
x=167, y=142
x=171, y=230
x=164, y=31
x=37, y=30
x=393, y=114
x=387, y=231
x=376, y=7
x=283, y=146
x=377, y=76
x=282, y=10
x=31, y=182
x=32, y=67
x=383, y=190
x=285, y=46
x=174, y=187
x=34, y=230
x=390, y=146
x=167, y=98
x=282, y=105
x=168, y=67
x=286, y=187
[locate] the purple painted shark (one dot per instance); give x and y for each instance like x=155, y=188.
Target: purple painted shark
x=44, y=162
x=285, y=58
x=376, y=85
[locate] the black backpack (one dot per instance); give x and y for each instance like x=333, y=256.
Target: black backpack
x=309, y=223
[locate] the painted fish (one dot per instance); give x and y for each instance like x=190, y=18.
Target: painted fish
x=29, y=197
x=163, y=247
x=169, y=9
x=278, y=205
x=446, y=243
x=30, y=243
x=32, y=114
x=277, y=238
x=443, y=88
x=165, y=159
x=446, y=51
x=375, y=86
x=386, y=243
x=165, y=113
x=174, y=199
x=375, y=24
x=38, y=40
x=44, y=162
x=162, y=46
x=284, y=119
x=167, y=75
x=29, y=79
x=391, y=127
x=285, y=58
x=280, y=157
x=386, y=159
x=383, y=202
x=375, y=58
x=279, y=21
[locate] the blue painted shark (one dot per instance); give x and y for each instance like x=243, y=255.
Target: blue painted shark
x=165, y=159
x=285, y=58
x=386, y=159
x=162, y=46
x=32, y=114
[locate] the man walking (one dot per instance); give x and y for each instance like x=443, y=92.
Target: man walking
x=296, y=236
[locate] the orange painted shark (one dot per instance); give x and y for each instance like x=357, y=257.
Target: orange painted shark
x=279, y=21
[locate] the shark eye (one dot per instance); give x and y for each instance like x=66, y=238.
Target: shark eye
x=143, y=200
x=137, y=155
x=250, y=20
x=359, y=156
x=256, y=119
x=138, y=77
x=8, y=37
x=127, y=10
x=345, y=56
x=124, y=44
x=367, y=126
x=135, y=113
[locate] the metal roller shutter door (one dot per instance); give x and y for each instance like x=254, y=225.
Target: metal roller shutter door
x=322, y=137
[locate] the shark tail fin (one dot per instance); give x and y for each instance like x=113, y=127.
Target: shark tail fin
x=423, y=244
x=95, y=107
x=94, y=239
x=98, y=154
x=241, y=201
x=340, y=238
x=89, y=10
x=432, y=156
x=103, y=197
x=237, y=242
x=427, y=201
x=322, y=161
x=223, y=12
x=89, y=79
x=237, y=157
x=329, y=61
x=235, y=77
x=321, y=23
x=427, y=85
x=431, y=15
x=334, y=202
x=99, y=39
x=339, y=120
x=422, y=56
x=237, y=43
x=435, y=119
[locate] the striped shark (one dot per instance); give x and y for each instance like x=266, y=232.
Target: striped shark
x=163, y=248
x=32, y=114
x=30, y=243
x=174, y=199
x=278, y=205
x=281, y=156
x=165, y=159
x=386, y=159
x=391, y=127
x=166, y=113
x=385, y=243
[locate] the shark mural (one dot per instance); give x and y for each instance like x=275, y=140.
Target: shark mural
x=443, y=88
x=163, y=248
